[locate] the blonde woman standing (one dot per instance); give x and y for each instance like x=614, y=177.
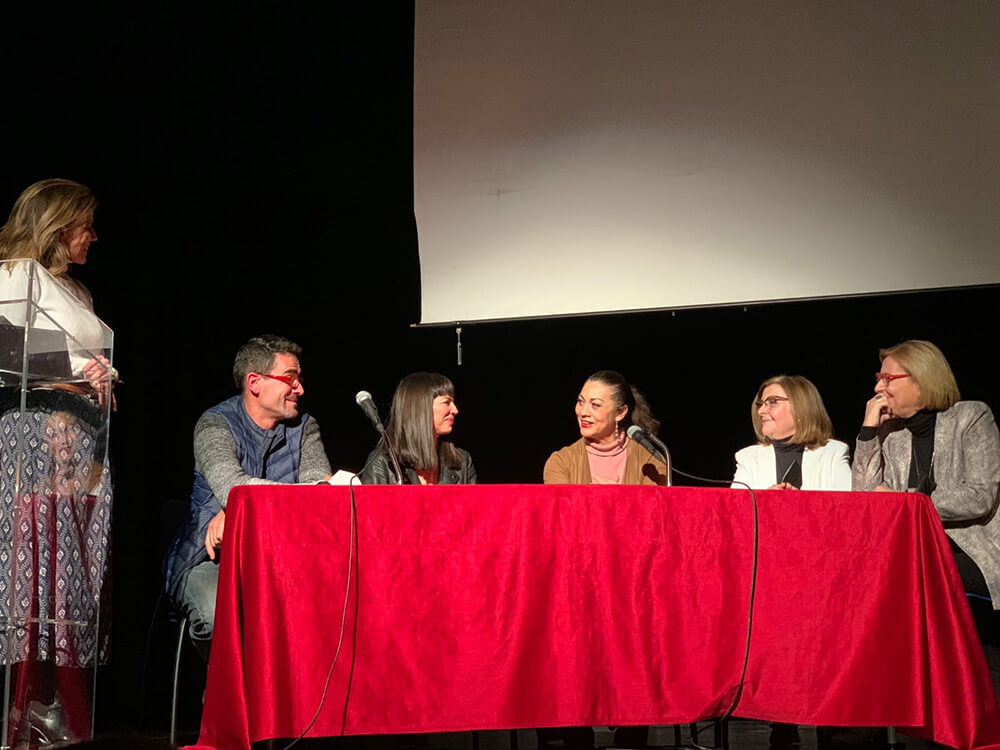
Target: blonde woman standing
x=61, y=504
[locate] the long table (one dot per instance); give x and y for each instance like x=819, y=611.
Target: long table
x=516, y=606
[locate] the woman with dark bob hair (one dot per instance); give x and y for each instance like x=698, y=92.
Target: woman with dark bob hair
x=792, y=427
x=918, y=435
x=420, y=423
x=606, y=407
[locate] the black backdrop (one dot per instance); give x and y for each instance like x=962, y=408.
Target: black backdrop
x=254, y=165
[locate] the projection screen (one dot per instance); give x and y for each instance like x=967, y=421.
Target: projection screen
x=586, y=157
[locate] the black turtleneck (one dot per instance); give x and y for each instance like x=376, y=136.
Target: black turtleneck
x=921, y=427
x=786, y=454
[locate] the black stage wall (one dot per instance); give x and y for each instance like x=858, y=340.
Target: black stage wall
x=255, y=172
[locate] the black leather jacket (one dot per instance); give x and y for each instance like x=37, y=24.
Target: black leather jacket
x=379, y=470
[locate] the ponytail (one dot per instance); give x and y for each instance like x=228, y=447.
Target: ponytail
x=639, y=411
x=642, y=413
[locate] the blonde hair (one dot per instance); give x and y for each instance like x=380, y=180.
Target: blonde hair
x=40, y=215
x=930, y=371
x=813, y=427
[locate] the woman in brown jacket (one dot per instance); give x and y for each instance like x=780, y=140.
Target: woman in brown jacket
x=606, y=407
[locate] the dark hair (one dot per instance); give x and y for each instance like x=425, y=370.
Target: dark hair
x=411, y=423
x=257, y=355
x=639, y=411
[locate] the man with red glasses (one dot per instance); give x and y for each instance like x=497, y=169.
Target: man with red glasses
x=256, y=437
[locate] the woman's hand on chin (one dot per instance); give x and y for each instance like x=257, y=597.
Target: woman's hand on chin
x=782, y=486
x=876, y=411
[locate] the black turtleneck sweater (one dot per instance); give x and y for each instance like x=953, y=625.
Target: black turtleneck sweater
x=921, y=427
x=786, y=454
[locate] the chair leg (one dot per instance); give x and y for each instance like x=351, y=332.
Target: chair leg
x=677, y=735
x=892, y=739
x=513, y=739
x=177, y=670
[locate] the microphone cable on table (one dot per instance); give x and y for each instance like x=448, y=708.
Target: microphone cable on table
x=753, y=593
x=353, y=533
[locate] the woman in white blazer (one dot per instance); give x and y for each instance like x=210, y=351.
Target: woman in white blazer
x=792, y=427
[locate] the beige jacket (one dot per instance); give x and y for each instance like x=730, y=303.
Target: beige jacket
x=571, y=466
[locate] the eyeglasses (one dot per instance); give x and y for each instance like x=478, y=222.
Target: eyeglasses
x=770, y=402
x=291, y=382
x=887, y=378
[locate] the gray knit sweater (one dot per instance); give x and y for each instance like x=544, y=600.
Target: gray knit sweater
x=215, y=456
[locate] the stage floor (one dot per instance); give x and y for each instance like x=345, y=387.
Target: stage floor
x=743, y=735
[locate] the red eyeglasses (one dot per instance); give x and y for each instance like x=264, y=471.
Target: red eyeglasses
x=291, y=382
x=888, y=378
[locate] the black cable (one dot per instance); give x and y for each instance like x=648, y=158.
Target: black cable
x=753, y=592
x=694, y=739
x=372, y=457
x=352, y=532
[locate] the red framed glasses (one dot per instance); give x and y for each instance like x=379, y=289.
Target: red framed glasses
x=884, y=376
x=291, y=382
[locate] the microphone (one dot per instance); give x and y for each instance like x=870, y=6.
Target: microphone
x=654, y=445
x=364, y=400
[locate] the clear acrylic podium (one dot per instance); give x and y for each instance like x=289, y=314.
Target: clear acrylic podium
x=55, y=506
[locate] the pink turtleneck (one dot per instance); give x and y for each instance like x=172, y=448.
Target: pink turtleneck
x=607, y=462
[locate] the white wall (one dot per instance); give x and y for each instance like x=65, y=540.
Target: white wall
x=575, y=157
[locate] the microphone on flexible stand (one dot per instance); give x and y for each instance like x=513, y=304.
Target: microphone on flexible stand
x=654, y=445
x=364, y=400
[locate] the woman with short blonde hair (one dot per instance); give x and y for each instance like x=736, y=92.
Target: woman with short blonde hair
x=795, y=447
x=813, y=427
x=918, y=436
x=930, y=371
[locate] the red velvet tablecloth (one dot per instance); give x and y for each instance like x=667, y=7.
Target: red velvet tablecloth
x=508, y=606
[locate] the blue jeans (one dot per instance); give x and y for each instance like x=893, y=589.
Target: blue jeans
x=196, y=599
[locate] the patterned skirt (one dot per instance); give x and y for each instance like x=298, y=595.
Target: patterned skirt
x=55, y=524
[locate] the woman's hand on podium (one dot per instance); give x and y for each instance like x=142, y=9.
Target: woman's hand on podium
x=102, y=377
